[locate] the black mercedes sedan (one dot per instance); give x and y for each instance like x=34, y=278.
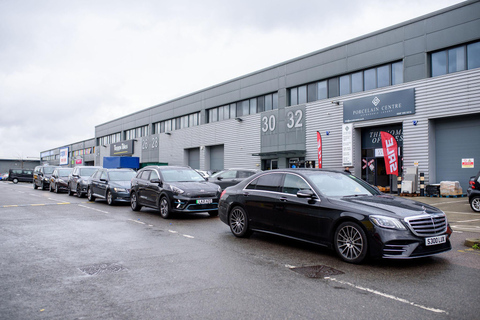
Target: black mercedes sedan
x=171, y=189
x=336, y=210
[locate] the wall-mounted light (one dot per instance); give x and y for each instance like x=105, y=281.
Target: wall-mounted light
x=328, y=133
x=168, y=133
x=336, y=102
x=415, y=122
x=239, y=119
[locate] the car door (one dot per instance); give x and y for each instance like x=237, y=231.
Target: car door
x=141, y=185
x=226, y=179
x=152, y=188
x=261, y=200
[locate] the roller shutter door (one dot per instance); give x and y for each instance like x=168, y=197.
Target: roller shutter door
x=216, y=158
x=194, y=158
x=457, y=138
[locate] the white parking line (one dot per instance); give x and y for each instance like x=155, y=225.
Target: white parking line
x=90, y=208
x=388, y=296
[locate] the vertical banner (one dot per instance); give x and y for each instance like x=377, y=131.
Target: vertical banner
x=64, y=156
x=390, y=155
x=347, y=145
x=319, y=149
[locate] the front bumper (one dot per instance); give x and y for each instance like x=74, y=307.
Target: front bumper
x=184, y=204
x=121, y=196
x=397, y=244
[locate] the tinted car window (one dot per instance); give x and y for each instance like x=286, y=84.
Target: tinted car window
x=267, y=182
x=293, y=183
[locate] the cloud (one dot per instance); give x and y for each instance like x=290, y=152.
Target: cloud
x=66, y=66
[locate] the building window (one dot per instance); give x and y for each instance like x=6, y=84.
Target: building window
x=455, y=59
x=378, y=77
x=243, y=108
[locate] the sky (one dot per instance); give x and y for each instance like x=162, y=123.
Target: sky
x=69, y=65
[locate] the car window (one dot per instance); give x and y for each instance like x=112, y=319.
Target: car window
x=87, y=172
x=245, y=174
x=103, y=175
x=145, y=175
x=293, y=183
x=121, y=175
x=339, y=185
x=230, y=174
x=181, y=175
x=48, y=170
x=154, y=175
x=267, y=182
x=28, y=172
x=64, y=172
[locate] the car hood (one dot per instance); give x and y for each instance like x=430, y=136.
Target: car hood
x=120, y=184
x=201, y=187
x=385, y=205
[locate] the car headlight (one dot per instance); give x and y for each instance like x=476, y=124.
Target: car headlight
x=120, y=189
x=387, y=222
x=176, y=190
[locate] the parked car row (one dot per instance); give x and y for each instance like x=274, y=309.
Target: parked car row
x=325, y=207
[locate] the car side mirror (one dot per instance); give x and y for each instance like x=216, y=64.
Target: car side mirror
x=306, y=193
x=157, y=181
x=219, y=178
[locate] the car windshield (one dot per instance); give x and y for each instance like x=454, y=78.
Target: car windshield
x=333, y=184
x=181, y=175
x=121, y=175
x=49, y=170
x=87, y=172
x=64, y=172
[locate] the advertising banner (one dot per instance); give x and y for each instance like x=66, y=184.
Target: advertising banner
x=64, y=156
x=390, y=153
x=319, y=149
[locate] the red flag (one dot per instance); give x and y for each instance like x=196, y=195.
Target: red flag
x=390, y=153
x=319, y=148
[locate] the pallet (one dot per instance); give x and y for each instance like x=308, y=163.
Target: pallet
x=447, y=195
x=409, y=194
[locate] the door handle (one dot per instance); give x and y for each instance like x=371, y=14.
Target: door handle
x=283, y=199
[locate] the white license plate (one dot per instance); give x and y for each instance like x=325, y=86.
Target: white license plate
x=204, y=201
x=435, y=240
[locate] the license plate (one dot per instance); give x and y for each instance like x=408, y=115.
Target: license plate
x=204, y=201
x=435, y=240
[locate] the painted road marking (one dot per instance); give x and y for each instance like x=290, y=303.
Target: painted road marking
x=34, y=205
x=385, y=295
x=90, y=208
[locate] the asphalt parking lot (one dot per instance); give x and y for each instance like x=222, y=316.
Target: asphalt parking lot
x=68, y=258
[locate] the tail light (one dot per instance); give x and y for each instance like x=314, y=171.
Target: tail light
x=223, y=192
x=472, y=184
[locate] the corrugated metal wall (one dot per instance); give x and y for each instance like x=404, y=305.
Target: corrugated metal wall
x=446, y=96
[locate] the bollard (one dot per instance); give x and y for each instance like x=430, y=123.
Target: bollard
x=422, y=184
x=399, y=185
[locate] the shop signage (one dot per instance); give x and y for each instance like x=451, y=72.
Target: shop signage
x=124, y=148
x=392, y=104
x=347, y=145
x=64, y=156
x=468, y=163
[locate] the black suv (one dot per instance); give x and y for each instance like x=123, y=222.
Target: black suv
x=172, y=189
x=110, y=184
x=41, y=176
x=473, y=192
x=78, y=180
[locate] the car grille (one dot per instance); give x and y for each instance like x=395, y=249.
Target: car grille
x=428, y=225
